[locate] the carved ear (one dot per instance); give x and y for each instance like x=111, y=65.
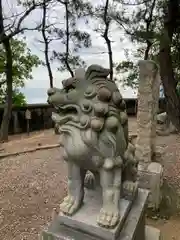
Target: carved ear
x=96, y=71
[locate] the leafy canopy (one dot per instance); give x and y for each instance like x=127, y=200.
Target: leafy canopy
x=23, y=63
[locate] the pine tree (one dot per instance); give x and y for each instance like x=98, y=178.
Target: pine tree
x=72, y=37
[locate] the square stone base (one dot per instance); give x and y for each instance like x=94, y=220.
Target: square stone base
x=86, y=218
x=131, y=228
x=151, y=178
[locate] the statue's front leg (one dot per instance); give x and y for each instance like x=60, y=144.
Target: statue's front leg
x=111, y=185
x=75, y=196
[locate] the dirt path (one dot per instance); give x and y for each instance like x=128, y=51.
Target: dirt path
x=24, y=142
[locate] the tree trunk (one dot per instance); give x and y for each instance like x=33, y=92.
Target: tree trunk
x=167, y=78
x=105, y=36
x=166, y=68
x=67, y=40
x=8, y=105
x=108, y=42
x=9, y=79
x=46, y=43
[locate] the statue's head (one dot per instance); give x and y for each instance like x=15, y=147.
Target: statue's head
x=87, y=101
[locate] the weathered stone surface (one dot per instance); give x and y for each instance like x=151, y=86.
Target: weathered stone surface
x=151, y=177
x=148, y=95
x=93, y=125
x=133, y=227
x=85, y=218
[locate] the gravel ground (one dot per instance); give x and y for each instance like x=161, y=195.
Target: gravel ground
x=32, y=184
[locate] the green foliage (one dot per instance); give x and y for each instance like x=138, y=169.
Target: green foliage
x=18, y=98
x=145, y=28
x=23, y=63
x=77, y=40
x=74, y=61
x=129, y=72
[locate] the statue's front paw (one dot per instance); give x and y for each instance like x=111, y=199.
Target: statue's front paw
x=108, y=218
x=70, y=205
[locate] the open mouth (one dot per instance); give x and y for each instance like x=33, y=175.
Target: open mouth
x=66, y=110
x=65, y=114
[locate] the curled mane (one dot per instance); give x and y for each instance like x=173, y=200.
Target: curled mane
x=96, y=71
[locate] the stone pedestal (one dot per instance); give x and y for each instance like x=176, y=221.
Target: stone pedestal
x=151, y=178
x=83, y=224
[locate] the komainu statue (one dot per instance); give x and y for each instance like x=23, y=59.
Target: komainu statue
x=93, y=126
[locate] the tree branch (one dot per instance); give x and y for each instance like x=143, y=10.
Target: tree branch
x=148, y=24
x=46, y=42
x=18, y=28
x=106, y=20
x=67, y=39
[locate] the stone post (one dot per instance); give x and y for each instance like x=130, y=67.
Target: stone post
x=150, y=173
x=148, y=98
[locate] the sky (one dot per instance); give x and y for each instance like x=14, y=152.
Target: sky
x=35, y=89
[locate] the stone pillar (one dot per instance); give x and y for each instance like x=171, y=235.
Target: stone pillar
x=150, y=173
x=148, y=98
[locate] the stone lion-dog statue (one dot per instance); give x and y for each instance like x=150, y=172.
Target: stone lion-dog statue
x=92, y=122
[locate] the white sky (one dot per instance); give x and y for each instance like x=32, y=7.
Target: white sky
x=35, y=90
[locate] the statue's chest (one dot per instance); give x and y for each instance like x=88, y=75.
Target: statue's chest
x=83, y=156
